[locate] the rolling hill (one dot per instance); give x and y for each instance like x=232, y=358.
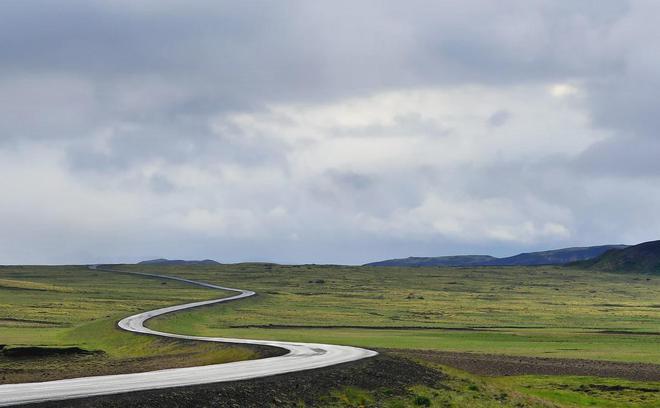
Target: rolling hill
x=163, y=261
x=555, y=257
x=456, y=260
x=552, y=257
x=641, y=258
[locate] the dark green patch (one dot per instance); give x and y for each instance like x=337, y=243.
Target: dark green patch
x=37, y=352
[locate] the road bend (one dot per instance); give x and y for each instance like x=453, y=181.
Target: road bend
x=298, y=357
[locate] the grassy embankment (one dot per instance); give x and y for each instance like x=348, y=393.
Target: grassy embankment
x=59, y=307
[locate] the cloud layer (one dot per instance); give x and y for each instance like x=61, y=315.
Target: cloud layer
x=341, y=132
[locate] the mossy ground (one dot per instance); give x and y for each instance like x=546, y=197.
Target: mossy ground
x=74, y=306
x=543, y=311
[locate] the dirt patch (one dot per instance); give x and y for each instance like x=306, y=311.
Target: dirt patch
x=28, y=321
x=499, y=365
x=613, y=388
x=298, y=326
x=37, y=352
x=386, y=374
x=626, y=332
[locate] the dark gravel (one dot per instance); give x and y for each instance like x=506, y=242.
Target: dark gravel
x=499, y=365
x=381, y=374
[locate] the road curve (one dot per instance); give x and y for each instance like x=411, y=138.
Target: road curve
x=300, y=356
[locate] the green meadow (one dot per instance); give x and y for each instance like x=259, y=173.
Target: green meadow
x=540, y=311
x=71, y=306
x=544, y=311
x=460, y=389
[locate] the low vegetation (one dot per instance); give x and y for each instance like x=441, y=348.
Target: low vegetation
x=529, y=311
x=459, y=389
x=60, y=322
x=534, y=311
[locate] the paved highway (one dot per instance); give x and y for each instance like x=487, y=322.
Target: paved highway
x=300, y=356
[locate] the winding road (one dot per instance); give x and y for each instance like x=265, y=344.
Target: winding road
x=300, y=356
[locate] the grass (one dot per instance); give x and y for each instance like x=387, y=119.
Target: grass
x=458, y=389
x=543, y=343
x=542, y=311
x=353, y=397
x=465, y=391
x=546, y=311
x=73, y=306
x=587, y=391
x=461, y=389
x=28, y=285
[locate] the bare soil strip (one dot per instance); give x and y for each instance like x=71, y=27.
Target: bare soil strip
x=300, y=326
x=500, y=365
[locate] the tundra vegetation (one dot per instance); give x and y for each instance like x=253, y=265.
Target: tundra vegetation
x=60, y=322
x=553, y=312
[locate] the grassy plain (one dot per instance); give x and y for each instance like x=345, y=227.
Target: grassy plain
x=585, y=391
x=464, y=390
x=542, y=311
x=58, y=307
x=546, y=311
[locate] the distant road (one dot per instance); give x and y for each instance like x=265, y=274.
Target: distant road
x=300, y=356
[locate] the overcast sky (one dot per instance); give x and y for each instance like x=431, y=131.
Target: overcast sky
x=327, y=132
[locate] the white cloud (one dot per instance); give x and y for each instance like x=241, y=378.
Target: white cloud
x=444, y=127
x=521, y=221
x=563, y=90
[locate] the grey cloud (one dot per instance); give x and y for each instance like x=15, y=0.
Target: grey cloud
x=244, y=54
x=625, y=157
x=116, y=87
x=351, y=179
x=499, y=118
x=211, y=57
x=410, y=124
x=623, y=100
x=161, y=184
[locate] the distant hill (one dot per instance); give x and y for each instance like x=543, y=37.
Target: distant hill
x=642, y=258
x=555, y=257
x=455, y=260
x=163, y=261
x=552, y=257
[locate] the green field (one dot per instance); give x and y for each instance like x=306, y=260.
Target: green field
x=540, y=311
x=547, y=311
x=464, y=390
x=58, y=307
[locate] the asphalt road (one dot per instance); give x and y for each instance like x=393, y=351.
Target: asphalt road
x=300, y=356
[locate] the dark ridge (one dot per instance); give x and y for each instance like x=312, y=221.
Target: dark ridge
x=455, y=260
x=642, y=258
x=163, y=261
x=552, y=257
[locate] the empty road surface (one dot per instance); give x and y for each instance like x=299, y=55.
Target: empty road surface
x=300, y=356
